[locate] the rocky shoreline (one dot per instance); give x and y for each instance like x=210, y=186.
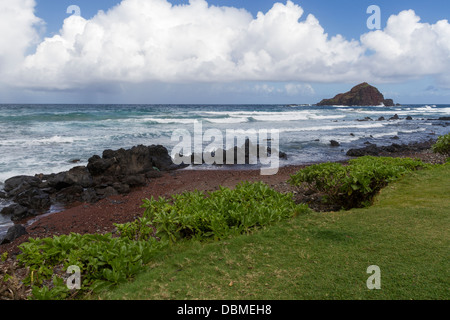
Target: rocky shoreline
x=117, y=172
x=110, y=188
x=372, y=149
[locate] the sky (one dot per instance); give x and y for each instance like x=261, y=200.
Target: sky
x=222, y=51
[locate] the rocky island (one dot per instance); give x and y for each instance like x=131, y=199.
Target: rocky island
x=361, y=95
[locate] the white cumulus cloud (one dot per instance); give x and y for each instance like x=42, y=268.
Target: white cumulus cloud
x=153, y=40
x=408, y=48
x=17, y=33
x=141, y=41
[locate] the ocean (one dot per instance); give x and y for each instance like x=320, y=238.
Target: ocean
x=53, y=138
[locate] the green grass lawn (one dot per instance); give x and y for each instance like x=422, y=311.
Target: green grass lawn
x=319, y=255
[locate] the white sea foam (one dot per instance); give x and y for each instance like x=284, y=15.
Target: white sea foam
x=276, y=116
x=433, y=109
x=56, y=140
x=332, y=117
x=385, y=112
x=385, y=134
x=227, y=120
x=325, y=139
x=280, y=117
x=334, y=127
x=240, y=113
x=35, y=168
x=400, y=111
x=42, y=141
x=168, y=120
x=296, y=117
x=412, y=131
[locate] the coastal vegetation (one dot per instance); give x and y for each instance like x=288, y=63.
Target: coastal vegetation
x=354, y=184
x=442, y=145
x=104, y=259
x=220, y=214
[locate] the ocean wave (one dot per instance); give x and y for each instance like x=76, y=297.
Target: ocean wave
x=57, y=140
x=385, y=134
x=405, y=111
x=234, y=113
x=341, y=138
x=433, y=109
x=385, y=112
x=334, y=127
x=132, y=136
x=332, y=117
x=42, y=141
x=256, y=113
x=413, y=131
x=280, y=117
x=243, y=116
x=31, y=167
x=227, y=120
x=168, y=120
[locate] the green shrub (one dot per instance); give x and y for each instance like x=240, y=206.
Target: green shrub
x=219, y=214
x=103, y=260
x=140, y=229
x=59, y=291
x=442, y=145
x=356, y=184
